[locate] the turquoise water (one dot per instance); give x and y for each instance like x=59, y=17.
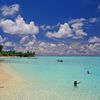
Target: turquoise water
x=47, y=79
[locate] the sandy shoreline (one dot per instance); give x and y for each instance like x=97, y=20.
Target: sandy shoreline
x=7, y=77
x=4, y=75
x=10, y=83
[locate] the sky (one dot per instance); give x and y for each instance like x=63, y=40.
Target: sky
x=51, y=27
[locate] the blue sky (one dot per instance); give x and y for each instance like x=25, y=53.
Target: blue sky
x=51, y=27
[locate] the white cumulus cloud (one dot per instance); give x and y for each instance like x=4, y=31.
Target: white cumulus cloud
x=76, y=20
x=18, y=26
x=10, y=10
x=73, y=28
x=77, y=29
x=45, y=27
x=9, y=44
x=2, y=40
x=64, y=31
x=94, y=40
x=94, y=20
x=28, y=40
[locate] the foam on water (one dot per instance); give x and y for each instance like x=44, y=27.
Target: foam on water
x=46, y=79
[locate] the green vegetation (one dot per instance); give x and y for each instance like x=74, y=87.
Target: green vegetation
x=1, y=48
x=14, y=53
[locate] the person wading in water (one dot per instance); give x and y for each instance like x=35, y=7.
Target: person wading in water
x=75, y=83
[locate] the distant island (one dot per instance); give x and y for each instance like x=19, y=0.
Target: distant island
x=14, y=53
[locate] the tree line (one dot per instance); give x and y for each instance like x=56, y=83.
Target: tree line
x=14, y=53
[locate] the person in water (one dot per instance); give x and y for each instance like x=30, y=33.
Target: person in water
x=88, y=72
x=75, y=83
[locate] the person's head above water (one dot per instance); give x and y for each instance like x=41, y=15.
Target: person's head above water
x=75, y=83
x=88, y=72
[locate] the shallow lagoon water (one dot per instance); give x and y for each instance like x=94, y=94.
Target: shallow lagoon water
x=47, y=79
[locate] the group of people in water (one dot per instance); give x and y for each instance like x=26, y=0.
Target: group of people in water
x=60, y=60
x=75, y=82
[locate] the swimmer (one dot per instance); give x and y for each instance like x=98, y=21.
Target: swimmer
x=88, y=72
x=75, y=83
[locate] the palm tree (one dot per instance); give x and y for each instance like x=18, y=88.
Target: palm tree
x=1, y=48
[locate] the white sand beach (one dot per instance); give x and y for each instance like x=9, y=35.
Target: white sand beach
x=10, y=83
